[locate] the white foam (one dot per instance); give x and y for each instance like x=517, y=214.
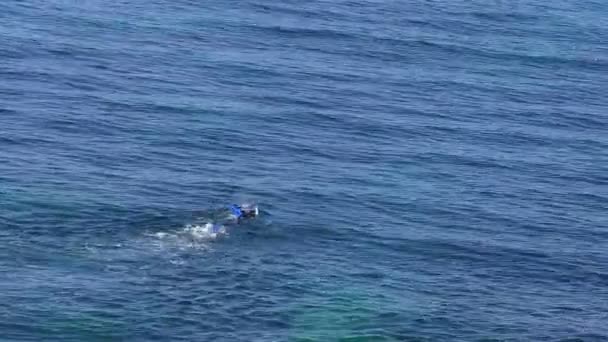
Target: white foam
x=190, y=236
x=208, y=231
x=161, y=235
x=168, y=244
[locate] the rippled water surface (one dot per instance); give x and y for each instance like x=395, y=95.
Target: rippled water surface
x=426, y=170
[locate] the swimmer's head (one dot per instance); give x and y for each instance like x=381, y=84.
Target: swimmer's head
x=249, y=210
x=244, y=211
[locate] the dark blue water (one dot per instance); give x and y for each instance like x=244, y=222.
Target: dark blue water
x=427, y=170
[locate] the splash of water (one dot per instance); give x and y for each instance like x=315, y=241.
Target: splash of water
x=194, y=233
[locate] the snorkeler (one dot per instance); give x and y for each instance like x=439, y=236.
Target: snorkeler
x=244, y=211
x=234, y=215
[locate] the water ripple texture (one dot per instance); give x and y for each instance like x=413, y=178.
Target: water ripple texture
x=425, y=170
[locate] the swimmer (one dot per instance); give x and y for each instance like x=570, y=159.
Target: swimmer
x=244, y=211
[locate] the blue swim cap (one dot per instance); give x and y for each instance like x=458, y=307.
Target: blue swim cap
x=236, y=210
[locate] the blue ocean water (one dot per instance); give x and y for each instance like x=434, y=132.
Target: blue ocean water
x=426, y=170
